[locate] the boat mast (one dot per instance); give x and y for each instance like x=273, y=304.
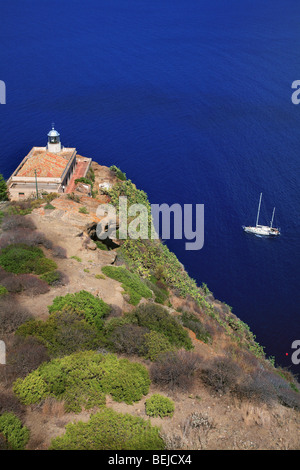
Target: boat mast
x=272, y=217
x=258, y=209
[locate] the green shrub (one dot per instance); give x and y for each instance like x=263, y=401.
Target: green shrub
x=76, y=258
x=128, y=339
x=109, y=430
x=31, y=389
x=101, y=245
x=83, y=379
x=118, y=173
x=100, y=276
x=161, y=294
x=44, y=265
x=3, y=290
x=16, y=435
x=63, y=333
x=49, y=197
x=84, y=181
x=52, y=277
x=73, y=197
x=83, y=210
x=190, y=321
x=131, y=283
x=91, y=175
x=3, y=189
x=93, y=309
x=21, y=259
x=159, y=405
x=156, y=318
x=124, y=380
x=154, y=345
x=49, y=206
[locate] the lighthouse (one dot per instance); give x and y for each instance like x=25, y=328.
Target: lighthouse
x=54, y=144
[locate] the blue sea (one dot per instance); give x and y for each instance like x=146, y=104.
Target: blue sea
x=192, y=100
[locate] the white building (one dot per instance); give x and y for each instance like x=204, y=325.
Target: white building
x=47, y=168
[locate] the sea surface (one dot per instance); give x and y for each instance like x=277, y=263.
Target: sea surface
x=192, y=100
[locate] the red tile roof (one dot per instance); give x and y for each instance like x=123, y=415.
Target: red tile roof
x=46, y=164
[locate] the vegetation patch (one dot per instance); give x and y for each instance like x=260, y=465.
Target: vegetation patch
x=154, y=345
x=133, y=286
x=15, y=434
x=63, y=333
x=20, y=258
x=192, y=322
x=3, y=290
x=157, y=318
x=158, y=405
x=109, y=430
x=118, y=173
x=49, y=206
x=83, y=303
x=76, y=258
x=83, y=379
x=83, y=210
x=54, y=278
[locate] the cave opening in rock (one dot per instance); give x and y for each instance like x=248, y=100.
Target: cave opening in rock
x=107, y=243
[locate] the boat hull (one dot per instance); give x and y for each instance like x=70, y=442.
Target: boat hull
x=262, y=230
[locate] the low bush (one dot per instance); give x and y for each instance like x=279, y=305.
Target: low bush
x=12, y=283
x=49, y=206
x=155, y=344
x=14, y=222
x=91, y=308
x=84, y=181
x=192, y=322
x=73, y=197
x=221, y=374
x=10, y=403
x=175, y=369
x=128, y=339
x=29, y=283
x=118, y=173
x=12, y=315
x=158, y=405
x=83, y=210
x=32, y=389
x=109, y=430
x=3, y=290
x=76, y=258
x=23, y=355
x=160, y=291
x=32, y=285
x=255, y=388
x=157, y=318
x=83, y=379
x=101, y=245
x=55, y=278
x=15, y=434
x=133, y=286
x=268, y=387
x=63, y=333
x=20, y=259
x=100, y=276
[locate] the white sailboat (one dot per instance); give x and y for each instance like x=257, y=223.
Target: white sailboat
x=262, y=230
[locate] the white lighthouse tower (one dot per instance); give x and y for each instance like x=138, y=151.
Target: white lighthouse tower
x=54, y=144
